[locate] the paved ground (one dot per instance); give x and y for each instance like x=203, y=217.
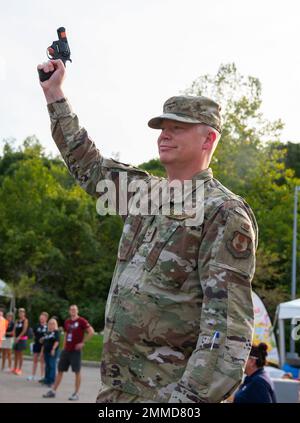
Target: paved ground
x=16, y=389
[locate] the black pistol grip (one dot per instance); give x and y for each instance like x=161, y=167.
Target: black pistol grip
x=44, y=76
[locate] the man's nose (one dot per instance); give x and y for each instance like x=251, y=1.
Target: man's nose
x=165, y=133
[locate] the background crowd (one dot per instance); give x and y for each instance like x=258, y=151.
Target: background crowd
x=45, y=346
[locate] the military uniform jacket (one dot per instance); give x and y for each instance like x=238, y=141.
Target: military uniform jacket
x=179, y=314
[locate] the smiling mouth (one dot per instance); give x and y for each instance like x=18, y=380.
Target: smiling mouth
x=166, y=147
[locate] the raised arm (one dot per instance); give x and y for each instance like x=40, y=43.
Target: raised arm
x=79, y=152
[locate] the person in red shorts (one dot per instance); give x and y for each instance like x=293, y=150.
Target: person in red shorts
x=77, y=332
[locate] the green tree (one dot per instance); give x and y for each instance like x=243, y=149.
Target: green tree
x=154, y=167
x=292, y=159
x=54, y=248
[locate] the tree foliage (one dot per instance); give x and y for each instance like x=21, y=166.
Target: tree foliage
x=54, y=248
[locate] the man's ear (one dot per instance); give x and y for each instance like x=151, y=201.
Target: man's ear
x=209, y=141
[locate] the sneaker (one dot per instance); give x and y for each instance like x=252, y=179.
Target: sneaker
x=74, y=397
x=49, y=394
x=13, y=371
x=30, y=378
x=18, y=372
x=42, y=381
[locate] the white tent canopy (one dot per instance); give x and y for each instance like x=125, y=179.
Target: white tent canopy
x=289, y=310
x=5, y=291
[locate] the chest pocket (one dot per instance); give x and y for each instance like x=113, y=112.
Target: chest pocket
x=174, y=254
x=131, y=231
x=134, y=231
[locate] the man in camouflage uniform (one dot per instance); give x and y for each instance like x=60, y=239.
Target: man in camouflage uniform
x=179, y=315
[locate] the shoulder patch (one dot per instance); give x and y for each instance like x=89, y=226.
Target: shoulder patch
x=239, y=245
x=236, y=243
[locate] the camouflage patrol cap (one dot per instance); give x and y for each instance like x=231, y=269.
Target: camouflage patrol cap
x=189, y=109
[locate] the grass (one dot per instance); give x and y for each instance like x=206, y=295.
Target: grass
x=91, y=352
x=93, y=349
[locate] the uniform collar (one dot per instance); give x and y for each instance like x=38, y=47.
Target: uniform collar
x=203, y=175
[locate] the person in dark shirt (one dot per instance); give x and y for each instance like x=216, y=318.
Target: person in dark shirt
x=257, y=386
x=39, y=331
x=20, y=340
x=77, y=332
x=50, y=350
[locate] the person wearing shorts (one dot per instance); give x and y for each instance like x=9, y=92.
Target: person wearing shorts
x=3, y=327
x=75, y=329
x=39, y=332
x=7, y=343
x=20, y=340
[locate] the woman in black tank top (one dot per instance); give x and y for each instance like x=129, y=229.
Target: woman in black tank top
x=20, y=340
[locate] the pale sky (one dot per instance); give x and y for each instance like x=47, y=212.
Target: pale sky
x=130, y=56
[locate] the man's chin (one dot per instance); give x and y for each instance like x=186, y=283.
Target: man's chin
x=166, y=158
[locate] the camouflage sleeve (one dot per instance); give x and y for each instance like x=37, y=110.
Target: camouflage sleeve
x=80, y=154
x=226, y=268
